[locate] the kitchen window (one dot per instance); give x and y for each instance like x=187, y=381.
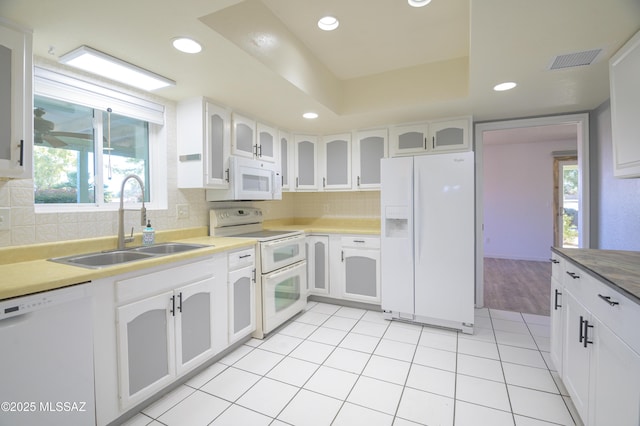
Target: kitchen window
x=87, y=138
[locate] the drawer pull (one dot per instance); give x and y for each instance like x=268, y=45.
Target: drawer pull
x=555, y=302
x=608, y=300
x=586, y=333
x=554, y=260
x=573, y=275
x=358, y=241
x=244, y=256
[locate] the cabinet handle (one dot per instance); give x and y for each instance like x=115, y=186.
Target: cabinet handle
x=21, y=162
x=425, y=142
x=281, y=180
x=227, y=172
x=173, y=306
x=573, y=275
x=358, y=180
x=180, y=300
x=358, y=241
x=259, y=151
x=255, y=150
x=555, y=302
x=342, y=256
x=324, y=182
x=244, y=256
x=433, y=142
x=297, y=182
x=554, y=260
x=581, y=338
x=254, y=275
x=586, y=334
x=608, y=300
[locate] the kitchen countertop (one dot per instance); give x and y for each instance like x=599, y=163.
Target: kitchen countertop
x=616, y=268
x=26, y=270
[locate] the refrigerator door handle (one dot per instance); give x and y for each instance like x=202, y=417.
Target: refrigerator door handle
x=417, y=224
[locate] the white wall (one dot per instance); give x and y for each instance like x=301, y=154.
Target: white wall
x=518, y=199
x=616, y=211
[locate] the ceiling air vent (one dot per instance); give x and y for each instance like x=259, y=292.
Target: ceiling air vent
x=576, y=59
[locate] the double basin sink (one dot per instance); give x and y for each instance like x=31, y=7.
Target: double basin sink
x=116, y=257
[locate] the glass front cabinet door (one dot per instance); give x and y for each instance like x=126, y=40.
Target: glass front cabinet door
x=267, y=138
x=306, y=159
x=243, y=137
x=336, y=162
x=16, y=101
x=408, y=139
x=370, y=147
x=285, y=159
x=242, y=303
x=450, y=135
x=318, y=264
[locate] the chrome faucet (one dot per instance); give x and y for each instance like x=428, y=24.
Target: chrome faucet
x=122, y=240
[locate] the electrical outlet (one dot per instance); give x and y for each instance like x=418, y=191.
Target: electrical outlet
x=182, y=211
x=5, y=218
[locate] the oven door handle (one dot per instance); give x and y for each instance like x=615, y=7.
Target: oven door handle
x=282, y=241
x=284, y=270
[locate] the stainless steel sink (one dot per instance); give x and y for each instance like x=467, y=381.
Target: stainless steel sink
x=168, y=248
x=117, y=257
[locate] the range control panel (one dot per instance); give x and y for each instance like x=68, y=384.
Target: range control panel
x=232, y=216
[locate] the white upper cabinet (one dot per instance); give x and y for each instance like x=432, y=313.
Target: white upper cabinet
x=243, y=137
x=203, y=144
x=306, y=158
x=336, y=162
x=408, y=139
x=267, y=143
x=432, y=137
x=624, y=68
x=369, y=148
x=16, y=102
x=285, y=159
x=253, y=140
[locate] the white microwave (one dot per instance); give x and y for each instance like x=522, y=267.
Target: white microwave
x=249, y=180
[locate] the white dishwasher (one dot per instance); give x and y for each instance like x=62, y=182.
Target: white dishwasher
x=46, y=360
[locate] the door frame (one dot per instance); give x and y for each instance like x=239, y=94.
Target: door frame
x=581, y=120
x=558, y=181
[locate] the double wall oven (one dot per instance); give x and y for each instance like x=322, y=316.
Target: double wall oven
x=281, y=268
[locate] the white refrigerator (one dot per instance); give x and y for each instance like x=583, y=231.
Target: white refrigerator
x=428, y=239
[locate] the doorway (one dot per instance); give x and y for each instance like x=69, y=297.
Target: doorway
x=566, y=204
x=581, y=127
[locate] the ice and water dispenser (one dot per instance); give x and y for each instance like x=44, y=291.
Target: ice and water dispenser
x=396, y=221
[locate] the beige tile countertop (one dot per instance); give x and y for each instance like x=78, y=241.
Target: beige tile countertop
x=25, y=269
x=616, y=268
x=327, y=225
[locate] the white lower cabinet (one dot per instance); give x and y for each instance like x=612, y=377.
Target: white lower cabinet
x=242, y=294
x=360, y=269
x=600, y=348
x=165, y=334
x=318, y=264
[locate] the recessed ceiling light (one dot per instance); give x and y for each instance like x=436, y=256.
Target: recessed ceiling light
x=419, y=3
x=186, y=45
x=328, y=23
x=504, y=86
x=310, y=115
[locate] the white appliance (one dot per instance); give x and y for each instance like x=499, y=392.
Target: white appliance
x=249, y=179
x=281, y=268
x=47, y=359
x=428, y=239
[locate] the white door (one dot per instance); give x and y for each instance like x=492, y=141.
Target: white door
x=336, y=162
x=361, y=271
x=146, y=347
x=370, y=147
x=284, y=295
x=408, y=139
x=217, y=146
x=615, y=384
x=576, y=357
x=450, y=135
x=396, y=239
x=267, y=137
x=286, y=155
x=318, y=264
x=194, y=325
x=243, y=137
x=444, y=236
x=306, y=162
x=242, y=303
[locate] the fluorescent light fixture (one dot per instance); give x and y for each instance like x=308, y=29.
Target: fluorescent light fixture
x=419, y=3
x=102, y=64
x=310, y=115
x=328, y=23
x=504, y=86
x=187, y=45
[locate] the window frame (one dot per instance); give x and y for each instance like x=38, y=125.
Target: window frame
x=55, y=85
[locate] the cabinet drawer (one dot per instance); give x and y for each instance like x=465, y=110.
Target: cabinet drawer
x=163, y=279
x=361, y=242
x=557, y=267
x=242, y=258
x=612, y=308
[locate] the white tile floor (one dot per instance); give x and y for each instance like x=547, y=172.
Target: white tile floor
x=342, y=366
